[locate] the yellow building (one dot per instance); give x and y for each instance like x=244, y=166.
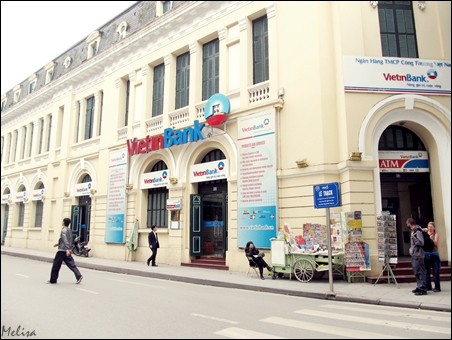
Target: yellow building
x=215, y=120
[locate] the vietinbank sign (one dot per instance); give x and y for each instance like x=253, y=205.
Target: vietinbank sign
x=155, y=179
x=215, y=112
x=209, y=171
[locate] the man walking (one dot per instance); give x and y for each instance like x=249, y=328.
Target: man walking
x=64, y=254
x=417, y=257
x=153, y=244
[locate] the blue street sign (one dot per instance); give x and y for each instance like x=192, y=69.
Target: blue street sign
x=327, y=195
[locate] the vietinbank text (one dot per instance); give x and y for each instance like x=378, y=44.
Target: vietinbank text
x=169, y=138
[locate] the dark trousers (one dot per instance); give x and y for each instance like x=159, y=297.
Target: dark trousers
x=418, y=265
x=61, y=257
x=261, y=264
x=153, y=256
x=432, y=264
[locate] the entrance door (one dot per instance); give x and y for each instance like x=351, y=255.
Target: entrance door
x=80, y=216
x=208, y=220
x=5, y=223
x=214, y=223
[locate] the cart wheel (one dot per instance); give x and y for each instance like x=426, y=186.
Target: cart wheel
x=303, y=270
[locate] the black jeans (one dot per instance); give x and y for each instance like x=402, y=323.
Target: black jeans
x=61, y=257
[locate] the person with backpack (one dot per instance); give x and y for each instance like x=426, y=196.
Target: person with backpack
x=432, y=260
x=417, y=256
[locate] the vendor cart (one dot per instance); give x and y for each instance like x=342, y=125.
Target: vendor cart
x=303, y=264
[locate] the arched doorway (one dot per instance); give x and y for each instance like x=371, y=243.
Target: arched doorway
x=405, y=189
x=209, y=222
x=81, y=214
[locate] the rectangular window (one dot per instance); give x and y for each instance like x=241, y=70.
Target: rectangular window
x=8, y=155
x=397, y=29
x=126, y=114
x=89, y=118
x=20, y=222
x=31, y=86
x=182, y=80
x=166, y=6
x=101, y=106
x=39, y=212
x=49, y=130
x=210, y=68
x=156, y=210
x=41, y=135
x=157, y=97
x=260, y=50
x=30, y=146
x=16, y=139
x=24, y=142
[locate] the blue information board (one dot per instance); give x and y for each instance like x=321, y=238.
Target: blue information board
x=327, y=195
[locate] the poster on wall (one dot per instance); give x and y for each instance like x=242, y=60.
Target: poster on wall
x=116, y=197
x=256, y=197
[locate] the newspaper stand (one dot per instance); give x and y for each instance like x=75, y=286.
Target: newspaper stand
x=304, y=265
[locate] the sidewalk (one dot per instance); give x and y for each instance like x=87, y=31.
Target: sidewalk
x=381, y=294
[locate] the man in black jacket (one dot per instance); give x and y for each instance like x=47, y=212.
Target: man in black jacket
x=153, y=244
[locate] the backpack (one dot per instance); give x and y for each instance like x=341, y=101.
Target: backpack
x=428, y=242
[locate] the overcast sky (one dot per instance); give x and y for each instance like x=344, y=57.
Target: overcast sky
x=36, y=32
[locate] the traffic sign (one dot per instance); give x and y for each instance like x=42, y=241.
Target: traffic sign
x=327, y=195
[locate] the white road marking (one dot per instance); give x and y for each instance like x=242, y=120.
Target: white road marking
x=23, y=275
x=336, y=331
x=88, y=291
x=423, y=315
x=241, y=333
x=214, y=318
x=373, y=321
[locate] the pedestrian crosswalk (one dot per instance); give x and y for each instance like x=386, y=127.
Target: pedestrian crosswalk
x=341, y=320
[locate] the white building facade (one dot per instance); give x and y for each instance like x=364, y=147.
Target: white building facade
x=214, y=120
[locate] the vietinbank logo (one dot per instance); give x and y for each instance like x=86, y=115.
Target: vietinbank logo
x=217, y=109
x=258, y=126
x=209, y=171
x=169, y=138
x=156, y=179
x=431, y=74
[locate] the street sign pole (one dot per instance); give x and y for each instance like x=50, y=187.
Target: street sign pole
x=325, y=196
x=330, y=256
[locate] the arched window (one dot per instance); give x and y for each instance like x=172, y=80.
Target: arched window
x=86, y=179
x=214, y=155
x=397, y=137
x=39, y=209
x=156, y=209
x=20, y=221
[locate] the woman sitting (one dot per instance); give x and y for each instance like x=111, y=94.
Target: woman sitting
x=252, y=252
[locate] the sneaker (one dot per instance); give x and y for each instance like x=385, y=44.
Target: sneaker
x=79, y=279
x=421, y=292
x=415, y=290
x=436, y=290
x=50, y=282
x=262, y=278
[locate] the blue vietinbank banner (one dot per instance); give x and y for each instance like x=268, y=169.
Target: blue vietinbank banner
x=257, y=179
x=116, y=197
